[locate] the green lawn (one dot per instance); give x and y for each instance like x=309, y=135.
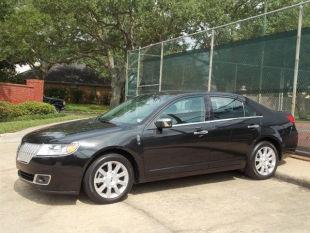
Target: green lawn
x=72, y=111
x=86, y=108
x=31, y=121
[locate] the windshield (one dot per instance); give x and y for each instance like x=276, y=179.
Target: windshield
x=134, y=111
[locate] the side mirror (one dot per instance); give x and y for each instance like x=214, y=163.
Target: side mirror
x=163, y=123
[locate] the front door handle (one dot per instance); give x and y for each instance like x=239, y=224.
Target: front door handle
x=201, y=132
x=253, y=126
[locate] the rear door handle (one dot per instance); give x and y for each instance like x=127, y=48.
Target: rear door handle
x=253, y=126
x=201, y=132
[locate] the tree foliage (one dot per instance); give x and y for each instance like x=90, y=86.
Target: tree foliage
x=42, y=33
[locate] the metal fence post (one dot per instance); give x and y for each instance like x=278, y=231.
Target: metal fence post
x=138, y=73
x=236, y=77
x=126, y=83
x=161, y=66
x=211, y=61
x=280, y=106
x=300, y=18
x=263, y=55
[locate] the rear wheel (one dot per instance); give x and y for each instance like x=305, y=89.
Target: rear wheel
x=58, y=109
x=108, y=179
x=263, y=161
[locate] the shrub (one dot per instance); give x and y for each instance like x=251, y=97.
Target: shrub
x=105, y=99
x=77, y=96
x=10, y=111
x=4, y=104
x=59, y=93
x=4, y=113
x=37, y=108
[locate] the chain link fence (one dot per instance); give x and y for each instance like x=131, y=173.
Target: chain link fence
x=265, y=57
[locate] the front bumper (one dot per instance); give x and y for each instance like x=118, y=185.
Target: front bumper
x=66, y=173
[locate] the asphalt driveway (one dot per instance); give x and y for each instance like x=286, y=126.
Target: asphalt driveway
x=224, y=202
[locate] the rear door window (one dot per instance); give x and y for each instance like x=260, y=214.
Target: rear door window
x=248, y=111
x=225, y=108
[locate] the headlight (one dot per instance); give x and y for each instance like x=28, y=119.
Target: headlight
x=58, y=149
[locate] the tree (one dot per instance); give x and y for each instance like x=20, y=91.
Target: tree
x=99, y=33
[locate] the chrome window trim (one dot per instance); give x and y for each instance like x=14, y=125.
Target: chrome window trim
x=228, y=119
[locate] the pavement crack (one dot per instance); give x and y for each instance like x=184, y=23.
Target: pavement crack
x=149, y=215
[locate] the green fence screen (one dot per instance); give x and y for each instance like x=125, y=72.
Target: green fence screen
x=254, y=57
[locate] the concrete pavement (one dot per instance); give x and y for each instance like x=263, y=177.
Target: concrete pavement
x=295, y=171
x=223, y=202
x=303, y=128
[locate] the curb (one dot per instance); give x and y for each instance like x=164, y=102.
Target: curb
x=293, y=180
x=300, y=157
x=302, y=152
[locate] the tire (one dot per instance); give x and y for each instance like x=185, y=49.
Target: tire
x=108, y=179
x=58, y=109
x=263, y=161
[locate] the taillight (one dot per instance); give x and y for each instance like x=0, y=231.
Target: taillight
x=291, y=118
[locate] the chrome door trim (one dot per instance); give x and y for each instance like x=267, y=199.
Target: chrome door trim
x=228, y=119
x=253, y=126
x=202, y=132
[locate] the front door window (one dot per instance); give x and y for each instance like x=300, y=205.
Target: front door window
x=187, y=110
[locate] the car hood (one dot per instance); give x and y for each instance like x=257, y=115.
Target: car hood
x=71, y=131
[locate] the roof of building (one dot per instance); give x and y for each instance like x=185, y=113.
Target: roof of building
x=73, y=74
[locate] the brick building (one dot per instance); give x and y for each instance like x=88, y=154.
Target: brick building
x=70, y=79
x=18, y=93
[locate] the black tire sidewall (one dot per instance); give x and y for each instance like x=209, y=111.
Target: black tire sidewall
x=254, y=172
x=90, y=173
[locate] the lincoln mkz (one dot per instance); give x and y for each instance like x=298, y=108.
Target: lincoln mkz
x=156, y=137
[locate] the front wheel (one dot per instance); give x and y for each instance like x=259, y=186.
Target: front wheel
x=263, y=161
x=108, y=179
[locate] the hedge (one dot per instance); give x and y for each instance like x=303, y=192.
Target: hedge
x=10, y=111
x=55, y=92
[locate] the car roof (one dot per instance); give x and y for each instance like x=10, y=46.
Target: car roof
x=212, y=93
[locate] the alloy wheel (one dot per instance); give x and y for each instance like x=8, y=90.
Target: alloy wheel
x=111, y=179
x=265, y=161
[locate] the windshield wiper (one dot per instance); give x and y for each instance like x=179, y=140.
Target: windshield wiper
x=102, y=120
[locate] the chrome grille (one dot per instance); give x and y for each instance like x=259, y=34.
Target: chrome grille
x=27, y=151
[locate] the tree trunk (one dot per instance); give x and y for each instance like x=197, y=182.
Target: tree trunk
x=117, y=85
x=45, y=67
x=117, y=81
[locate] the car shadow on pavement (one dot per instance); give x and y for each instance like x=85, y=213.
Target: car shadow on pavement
x=282, y=162
x=186, y=182
x=34, y=195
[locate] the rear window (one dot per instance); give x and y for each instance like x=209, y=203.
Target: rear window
x=224, y=108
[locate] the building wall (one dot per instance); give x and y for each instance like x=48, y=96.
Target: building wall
x=99, y=94
x=17, y=93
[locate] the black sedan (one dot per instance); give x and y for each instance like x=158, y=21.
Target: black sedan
x=59, y=104
x=154, y=137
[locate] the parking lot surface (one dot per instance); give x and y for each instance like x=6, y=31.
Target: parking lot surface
x=223, y=202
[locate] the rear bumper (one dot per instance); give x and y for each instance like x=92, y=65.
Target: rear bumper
x=65, y=175
x=290, y=143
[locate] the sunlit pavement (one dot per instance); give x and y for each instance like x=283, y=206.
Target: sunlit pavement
x=224, y=202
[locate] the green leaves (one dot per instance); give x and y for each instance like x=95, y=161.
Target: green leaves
x=99, y=33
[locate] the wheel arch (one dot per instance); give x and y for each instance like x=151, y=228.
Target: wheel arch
x=276, y=142
x=120, y=151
